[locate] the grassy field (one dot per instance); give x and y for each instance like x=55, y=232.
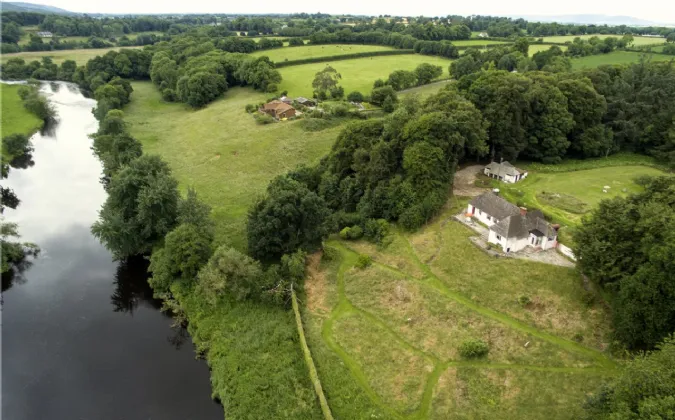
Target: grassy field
x=535, y=48
x=567, y=196
x=311, y=51
x=476, y=42
x=221, y=151
x=80, y=56
x=616, y=57
x=357, y=74
x=385, y=339
x=426, y=90
x=15, y=118
x=637, y=41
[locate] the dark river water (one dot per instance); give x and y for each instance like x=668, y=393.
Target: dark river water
x=82, y=337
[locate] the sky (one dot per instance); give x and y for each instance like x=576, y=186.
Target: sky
x=653, y=10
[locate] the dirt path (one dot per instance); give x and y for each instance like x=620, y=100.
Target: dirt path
x=464, y=182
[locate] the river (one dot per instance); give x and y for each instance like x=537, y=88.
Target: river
x=82, y=337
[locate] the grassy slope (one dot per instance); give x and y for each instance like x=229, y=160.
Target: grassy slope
x=396, y=327
x=637, y=41
x=358, y=74
x=15, y=118
x=616, y=57
x=221, y=151
x=80, y=56
x=308, y=51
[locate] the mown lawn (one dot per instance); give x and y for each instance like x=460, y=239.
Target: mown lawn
x=15, y=118
x=637, y=40
x=357, y=74
x=311, y=51
x=80, y=56
x=388, y=335
x=615, y=57
x=583, y=186
x=221, y=151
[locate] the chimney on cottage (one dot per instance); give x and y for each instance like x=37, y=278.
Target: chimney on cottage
x=523, y=211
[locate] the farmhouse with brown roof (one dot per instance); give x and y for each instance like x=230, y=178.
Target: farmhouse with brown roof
x=278, y=109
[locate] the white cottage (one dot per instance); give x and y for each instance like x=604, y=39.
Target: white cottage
x=504, y=171
x=511, y=227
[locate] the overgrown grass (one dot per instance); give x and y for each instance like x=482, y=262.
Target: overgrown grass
x=80, y=56
x=358, y=74
x=15, y=118
x=253, y=350
x=426, y=90
x=221, y=151
x=637, y=40
x=615, y=57
x=397, y=325
x=311, y=51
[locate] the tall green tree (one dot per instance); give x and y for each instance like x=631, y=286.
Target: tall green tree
x=141, y=207
x=325, y=82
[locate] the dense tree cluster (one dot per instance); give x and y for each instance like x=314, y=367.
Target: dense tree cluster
x=594, y=45
x=593, y=112
x=628, y=246
x=399, y=168
x=197, y=74
x=423, y=74
x=326, y=84
x=645, y=389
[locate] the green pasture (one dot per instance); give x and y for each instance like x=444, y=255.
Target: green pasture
x=476, y=42
x=637, y=40
x=615, y=57
x=535, y=48
x=385, y=338
x=357, y=74
x=15, y=118
x=80, y=56
x=221, y=151
x=312, y=51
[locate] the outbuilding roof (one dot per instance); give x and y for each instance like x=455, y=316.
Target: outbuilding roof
x=503, y=168
x=494, y=205
x=519, y=226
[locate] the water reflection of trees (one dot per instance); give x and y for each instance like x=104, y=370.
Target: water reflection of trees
x=132, y=289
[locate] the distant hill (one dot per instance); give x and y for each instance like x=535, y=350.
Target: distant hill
x=11, y=6
x=592, y=19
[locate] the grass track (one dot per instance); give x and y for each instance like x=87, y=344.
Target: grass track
x=344, y=307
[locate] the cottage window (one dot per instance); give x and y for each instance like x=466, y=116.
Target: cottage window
x=499, y=238
x=480, y=212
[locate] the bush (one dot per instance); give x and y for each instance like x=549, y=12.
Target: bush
x=169, y=95
x=472, y=349
x=355, y=96
x=251, y=108
x=344, y=233
x=355, y=233
x=376, y=230
x=364, y=261
x=588, y=298
x=294, y=42
x=330, y=253
x=263, y=119
x=524, y=300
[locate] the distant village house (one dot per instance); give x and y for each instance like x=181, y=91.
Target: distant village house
x=278, y=109
x=512, y=227
x=504, y=171
x=304, y=101
x=45, y=34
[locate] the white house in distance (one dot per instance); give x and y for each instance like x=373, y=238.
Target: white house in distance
x=504, y=171
x=512, y=227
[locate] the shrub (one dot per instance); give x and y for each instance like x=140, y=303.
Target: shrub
x=355, y=96
x=355, y=232
x=364, y=261
x=376, y=230
x=588, y=298
x=294, y=42
x=344, y=233
x=472, y=349
x=263, y=119
x=251, y=108
x=524, y=300
x=330, y=253
x=169, y=95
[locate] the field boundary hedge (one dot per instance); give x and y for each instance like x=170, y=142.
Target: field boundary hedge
x=313, y=374
x=619, y=159
x=310, y=60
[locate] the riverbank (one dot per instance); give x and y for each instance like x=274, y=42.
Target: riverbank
x=15, y=118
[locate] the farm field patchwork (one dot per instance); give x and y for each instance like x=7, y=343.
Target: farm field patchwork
x=357, y=74
x=15, y=118
x=312, y=51
x=637, y=40
x=80, y=56
x=395, y=327
x=615, y=57
x=221, y=151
